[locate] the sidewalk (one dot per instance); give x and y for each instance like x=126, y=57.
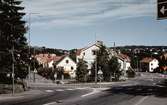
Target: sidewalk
x=29, y=93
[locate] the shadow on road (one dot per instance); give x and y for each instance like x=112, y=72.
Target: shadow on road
x=159, y=90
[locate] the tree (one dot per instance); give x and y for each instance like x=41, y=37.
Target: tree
x=102, y=61
x=12, y=38
x=73, y=54
x=114, y=68
x=81, y=71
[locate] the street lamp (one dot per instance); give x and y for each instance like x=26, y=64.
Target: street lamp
x=13, y=74
x=29, y=44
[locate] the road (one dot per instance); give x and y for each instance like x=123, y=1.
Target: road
x=144, y=90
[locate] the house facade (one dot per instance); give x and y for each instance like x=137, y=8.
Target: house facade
x=88, y=54
x=46, y=60
x=149, y=64
x=68, y=65
x=124, y=61
x=64, y=62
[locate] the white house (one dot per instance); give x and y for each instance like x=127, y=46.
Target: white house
x=46, y=60
x=68, y=65
x=149, y=64
x=64, y=61
x=124, y=61
x=88, y=54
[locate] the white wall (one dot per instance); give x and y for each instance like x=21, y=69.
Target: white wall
x=88, y=56
x=153, y=65
x=68, y=66
x=124, y=65
x=50, y=64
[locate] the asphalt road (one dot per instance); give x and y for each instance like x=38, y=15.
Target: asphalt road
x=145, y=90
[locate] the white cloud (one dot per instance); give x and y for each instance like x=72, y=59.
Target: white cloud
x=84, y=12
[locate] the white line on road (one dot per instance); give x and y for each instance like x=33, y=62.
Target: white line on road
x=51, y=103
x=141, y=101
x=49, y=91
x=82, y=88
x=93, y=92
x=59, y=90
x=70, y=89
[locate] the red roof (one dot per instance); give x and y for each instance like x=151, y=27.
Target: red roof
x=123, y=57
x=46, y=58
x=147, y=60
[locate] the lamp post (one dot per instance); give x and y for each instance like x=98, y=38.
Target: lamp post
x=29, y=44
x=96, y=67
x=13, y=74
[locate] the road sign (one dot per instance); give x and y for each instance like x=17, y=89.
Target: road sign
x=100, y=72
x=162, y=9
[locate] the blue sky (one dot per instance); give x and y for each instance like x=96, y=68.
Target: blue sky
x=69, y=24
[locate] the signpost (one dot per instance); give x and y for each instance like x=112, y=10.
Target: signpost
x=162, y=9
x=100, y=75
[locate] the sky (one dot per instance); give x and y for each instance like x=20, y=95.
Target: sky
x=68, y=24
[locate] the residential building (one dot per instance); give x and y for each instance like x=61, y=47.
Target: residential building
x=46, y=60
x=51, y=61
x=149, y=64
x=124, y=61
x=68, y=65
x=88, y=54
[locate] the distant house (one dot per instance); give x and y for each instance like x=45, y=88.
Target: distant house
x=46, y=60
x=64, y=62
x=67, y=64
x=124, y=61
x=88, y=54
x=149, y=64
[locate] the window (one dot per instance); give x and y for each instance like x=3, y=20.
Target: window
x=93, y=52
x=72, y=68
x=67, y=61
x=83, y=53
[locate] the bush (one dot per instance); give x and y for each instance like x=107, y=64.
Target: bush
x=48, y=73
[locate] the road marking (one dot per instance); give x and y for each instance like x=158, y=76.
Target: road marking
x=93, y=92
x=51, y=103
x=70, y=89
x=81, y=88
x=141, y=101
x=49, y=91
x=59, y=90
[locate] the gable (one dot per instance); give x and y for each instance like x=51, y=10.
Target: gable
x=66, y=61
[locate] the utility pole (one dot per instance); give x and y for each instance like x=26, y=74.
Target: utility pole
x=29, y=44
x=95, y=60
x=96, y=68
x=13, y=74
x=29, y=49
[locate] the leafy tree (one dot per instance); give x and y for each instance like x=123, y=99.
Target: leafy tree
x=114, y=68
x=12, y=38
x=102, y=61
x=81, y=71
x=134, y=62
x=73, y=54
